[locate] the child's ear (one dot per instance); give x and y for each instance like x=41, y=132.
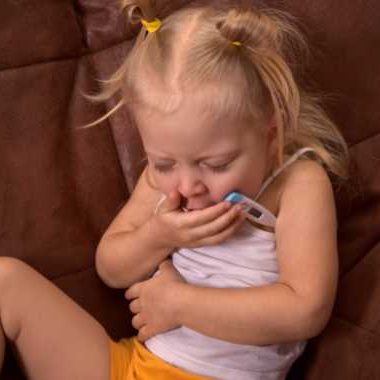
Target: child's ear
x=272, y=138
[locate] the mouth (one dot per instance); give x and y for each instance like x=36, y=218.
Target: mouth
x=187, y=208
x=192, y=205
x=190, y=209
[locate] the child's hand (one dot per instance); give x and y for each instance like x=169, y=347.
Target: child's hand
x=212, y=225
x=154, y=302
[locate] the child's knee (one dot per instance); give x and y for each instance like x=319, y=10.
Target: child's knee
x=10, y=269
x=13, y=272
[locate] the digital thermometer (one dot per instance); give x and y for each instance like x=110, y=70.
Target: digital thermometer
x=254, y=211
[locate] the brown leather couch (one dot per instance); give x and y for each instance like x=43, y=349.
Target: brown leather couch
x=60, y=187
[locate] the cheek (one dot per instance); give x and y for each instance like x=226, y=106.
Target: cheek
x=221, y=185
x=250, y=187
x=245, y=180
x=165, y=183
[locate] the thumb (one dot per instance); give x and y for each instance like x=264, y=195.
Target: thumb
x=172, y=202
x=167, y=268
x=166, y=264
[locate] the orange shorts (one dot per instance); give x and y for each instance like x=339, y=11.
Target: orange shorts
x=130, y=360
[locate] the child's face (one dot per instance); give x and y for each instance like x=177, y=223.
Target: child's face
x=203, y=158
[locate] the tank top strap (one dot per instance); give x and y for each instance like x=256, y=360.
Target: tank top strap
x=279, y=170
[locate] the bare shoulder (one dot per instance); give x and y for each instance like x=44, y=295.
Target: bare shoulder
x=306, y=192
x=305, y=172
x=139, y=207
x=293, y=182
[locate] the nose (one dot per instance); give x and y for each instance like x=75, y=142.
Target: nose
x=191, y=184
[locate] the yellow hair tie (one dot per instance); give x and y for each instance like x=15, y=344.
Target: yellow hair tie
x=151, y=26
x=236, y=43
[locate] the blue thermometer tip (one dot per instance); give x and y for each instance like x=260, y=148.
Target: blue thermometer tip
x=234, y=197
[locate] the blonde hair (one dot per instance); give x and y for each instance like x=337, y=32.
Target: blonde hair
x=250, y=54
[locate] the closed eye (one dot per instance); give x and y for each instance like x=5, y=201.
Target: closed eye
x=163, y=168
x=219, y=168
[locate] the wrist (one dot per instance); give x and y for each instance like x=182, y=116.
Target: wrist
x=180, y=295
x=157, y=234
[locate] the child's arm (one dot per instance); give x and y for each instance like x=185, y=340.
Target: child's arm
x=128, y=250
x=299, y=304
x=138, y=239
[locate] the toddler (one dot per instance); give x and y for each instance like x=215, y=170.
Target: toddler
x=215, y=293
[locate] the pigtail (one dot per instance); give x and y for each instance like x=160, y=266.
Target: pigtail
x=273, y=45
x=135, y=12
x=260, y=37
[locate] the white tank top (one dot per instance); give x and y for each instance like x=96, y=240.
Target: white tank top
x=247, y=259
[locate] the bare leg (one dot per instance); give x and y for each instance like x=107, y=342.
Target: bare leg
x=53, y=336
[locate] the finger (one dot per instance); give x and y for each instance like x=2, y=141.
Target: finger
x=223, y=235
x=143, y=334
x=133, y=291
x=172, y=202
x=166, y=265
x=206, y=215
x=137, y=322
x=135, y=306
x=218, y=225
